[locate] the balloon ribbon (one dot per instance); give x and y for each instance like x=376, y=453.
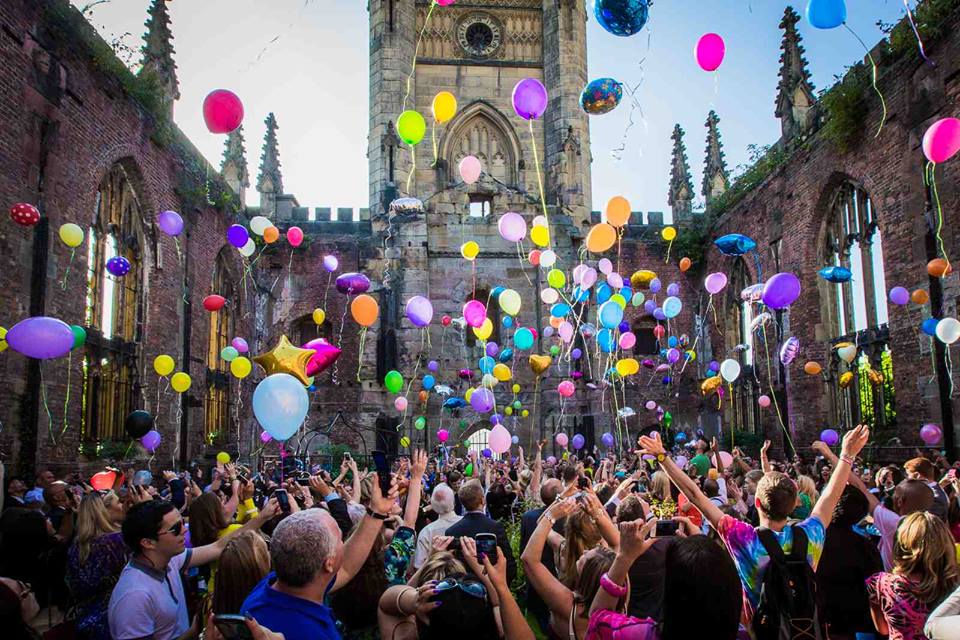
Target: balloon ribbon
x=543, y=200
x=416, y=53
x=932, y=181
x=66, y=274
x=913, y=25
x=873, y=64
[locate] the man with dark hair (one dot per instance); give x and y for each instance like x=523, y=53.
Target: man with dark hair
x=549, y=491
x=454, y=480
x=148, y=600
x=475, y=521
x=923, y=469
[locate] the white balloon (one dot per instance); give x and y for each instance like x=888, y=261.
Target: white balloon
x=548, y=258
x=259, y=224
x=539, y=221
x=549, y=296
x=605, y=266
x=730, y=369
x=615, y=280
x=589, y=278
x=247, y=250
x=948, y=330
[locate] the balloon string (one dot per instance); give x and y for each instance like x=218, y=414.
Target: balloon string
x=416, y=53
x=433, y=139
x=343, y=321
x=66, y=400
x=669, y=247
x=363, y=338
x=936, y=198
x=66, y=274
x=773, y=392
x=326, y=290
x=873, y=64
x=543, y=200
x=413, y=166
x=46, y=407
x=176, y=243
x=913, y=25
x=523, y=268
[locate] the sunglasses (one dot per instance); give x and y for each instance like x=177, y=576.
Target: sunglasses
x=474, y=589
x=175, y=529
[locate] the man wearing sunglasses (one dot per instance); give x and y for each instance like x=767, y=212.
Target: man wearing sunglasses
x=149, y=601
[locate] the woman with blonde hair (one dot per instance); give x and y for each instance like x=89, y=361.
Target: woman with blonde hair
x=659, y=486
x=807, y=496
x=924, y=573
x=95, y=560
x=245, y=561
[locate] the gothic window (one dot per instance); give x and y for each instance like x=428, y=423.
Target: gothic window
x=113, y=311
x=480, y=205
x=305, y=329
x=478, y=441
x=480, y=130
x=646, y=340
x=740, y=341
x=221, y=331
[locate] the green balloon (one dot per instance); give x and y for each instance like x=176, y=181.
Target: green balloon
x=411, y=127
x=556, y=278
x=420, y=423
x=393, y=381
x=79, y=335
x=638, y=299
x=667, y=419
x=468, y=470
x=228, y=353
x=463, y=424
x=554, y=350
x=516, y=404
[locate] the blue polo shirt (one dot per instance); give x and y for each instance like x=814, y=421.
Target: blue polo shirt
x=294, y=617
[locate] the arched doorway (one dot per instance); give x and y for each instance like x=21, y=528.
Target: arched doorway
x=478, y=440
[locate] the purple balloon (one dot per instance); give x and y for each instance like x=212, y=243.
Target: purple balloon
x=326, y=354
x=659, y=314
x=673, y=289
x=578, y=441
x=529, y=98
x=899, y=295
x=715, y=282
x=607, y=439
x=714, y=366
x=237, y=235
x=433, y=365
x=655, y=285
x=624, y=327
x=352, y=283
x=481, y=400
x=486, y=453
x=673, y=355
x=240, y=345
x=830, y=437
x=170, y=223
x=789, y=350
x=118, y=266
x=781, y=290
x=41, y=337
x=419, y=310
x=931, y=434
x=492, y=349
x=576, y=353
x=495, y=419
x=330, y=263
x=649, y=306
x=150, y=441
x=265, y=437
x=551, y=460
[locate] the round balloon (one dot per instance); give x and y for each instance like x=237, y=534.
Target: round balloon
x=364, y=310
x=118, y=266
x=781, y=290
x=411, y=127
x=170, y=223
x=444, y=107
x=180, y=382
x=826, y=14
x=601, y=96
x=241, y=367
x=138, y=424
x=419, y=311
x=222, y=111
x=352, y=283
x=71, y=235
x=237, y=235
x=931, y=434
x=948, y=330
x=710, y=51
x=529, y=98
x=512, y=227
x=621, y=17
x=470, y=169
x=942, y=140
x=830, y=437
x=24, y=214
x=280, y=404
x=41, y=337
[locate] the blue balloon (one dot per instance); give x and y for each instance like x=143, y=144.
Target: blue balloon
x=454, y=403
x=837, y=275
x=580, y=294
x=650, y=306
x=610, y=314
x=506, y=355
x=672, y=342
x=929, y=326
x=659, y=314
x=624, y=327
x=280, y=403
x=515, y=439
x=681, y=437
x=523, y=338
x=735, y=244
x=711, y=373
x=428, y=382
x=559, y=310
x=601, y=96
x=826, y=14
x=672, y=307
x=621, y=17
x=507, y=321
x=312, y=388
x=496, y=292
x=603, y=293
x=626, y=292
x=486, y=364
x=606, y=341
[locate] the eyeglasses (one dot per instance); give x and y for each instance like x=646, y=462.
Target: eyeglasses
x=175, y=529
x=474, y=589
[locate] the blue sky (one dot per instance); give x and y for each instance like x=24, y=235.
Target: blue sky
x=307, y=61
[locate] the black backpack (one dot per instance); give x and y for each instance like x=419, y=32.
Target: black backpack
x=789, y=608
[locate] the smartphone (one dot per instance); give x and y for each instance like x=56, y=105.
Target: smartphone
x=666, y=528
x=283, y=499
x=383, y=471
x=346, y=455
x=303, y=482
x=486, y=544
x=232, y=626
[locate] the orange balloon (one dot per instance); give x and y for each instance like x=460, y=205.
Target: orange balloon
x=555, y=322
x=618, y=211
x=920, y=296
x=685, y=264
x=812, y=368
x=601, y=237
x=364, y=310
x=423, y=396
x=270, y=235
x=938, y=268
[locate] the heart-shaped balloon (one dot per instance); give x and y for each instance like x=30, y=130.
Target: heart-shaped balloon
x=326, y=354
x=103, y=480
x=539, y=364
x=710, y=385
x=847, y=352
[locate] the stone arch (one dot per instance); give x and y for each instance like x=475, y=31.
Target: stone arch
x=482, y=130
x=476, y=429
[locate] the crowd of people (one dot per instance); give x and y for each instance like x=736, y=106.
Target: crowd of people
x=647, y=544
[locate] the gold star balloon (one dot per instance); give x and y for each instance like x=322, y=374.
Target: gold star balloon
x=286, y=358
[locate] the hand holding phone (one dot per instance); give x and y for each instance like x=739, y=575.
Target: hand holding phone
x=232, y=627
x=665, y=528
x=383, y=471
x=283, y=499
x=486, y=545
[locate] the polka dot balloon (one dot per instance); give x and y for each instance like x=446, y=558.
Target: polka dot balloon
x=24, y=214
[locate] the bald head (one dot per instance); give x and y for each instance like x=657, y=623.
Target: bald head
x=305, y=546
x=549, y=491
x=912, y=496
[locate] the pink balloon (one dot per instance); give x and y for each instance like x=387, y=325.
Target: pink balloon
x=931, y=434
x=565, y=331
x=470, y=169
x=605, y=266
x=715, y=282
x=222, y=111
x=615, y=280
x=512, y=227
x=764, y=401
x=562, y=439
x=443, y=435
x=650, y=405
x=566, y=388
x=265, y=437
x=499, y=441
x=628, y=340
x=400, y=403
x=725, y=459
x=589, y=278
x=326, y=354
x=942, y=140
x=474, y=313
x=709, y=51
x=445, y=3
x=295, y=236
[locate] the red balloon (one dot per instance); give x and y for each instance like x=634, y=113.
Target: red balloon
x=659, y=331
x=24, y=214
x=326, y=354
x=446, y=320
x=103, y=480
x=222, y=111
x=295, y=236
x=214, y=302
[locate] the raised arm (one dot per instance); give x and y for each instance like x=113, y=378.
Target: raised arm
x=764, y=459
x=357, y=548
x=594, y=508
x=853, y=441
x=514, y=624
x=557, y=597
x=417, y=469
x=852, y=479
x=537, y=477
x=654, y=447
x=210, y=552
x=634, y=543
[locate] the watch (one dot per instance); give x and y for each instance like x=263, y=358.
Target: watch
x=661, y=457
x=374, y=514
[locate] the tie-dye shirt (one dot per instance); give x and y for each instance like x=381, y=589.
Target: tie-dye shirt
x=752, y=559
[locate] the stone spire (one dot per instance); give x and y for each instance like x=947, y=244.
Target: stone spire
x=157, y=61
x=681, y=187
x=795, y=97
x=716, y=180
x=234, y=165
x=270, y=182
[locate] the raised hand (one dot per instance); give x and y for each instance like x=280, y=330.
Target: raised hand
x=383, y=503
x=855, y=440
x=765, y=447
x=419, y=466
x=651, y=446
x=561, y=508
x=634, y=537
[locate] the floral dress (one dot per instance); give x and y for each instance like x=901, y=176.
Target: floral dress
x=91, y=582
x=904, y=612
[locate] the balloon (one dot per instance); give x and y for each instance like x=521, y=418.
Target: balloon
x=725, y=459
x=710, y=385
x=610, y=314
x=931, y=434
x=830, y=437
x=325, y=355
x=444, y=107
x=621, y=17
x=180, y=382
x=601, y=96
x=138, y=424
x=845, y=379
x=24, y=214
x=280, y=404
x=847, y=352
x=672, y=307
x=642, y=279
x=826, y=14
x=474, y=312
x=470, y=250
x=229, y=354
x=938, y=268
x=764, y=401
x=502, y=372
x=948, y=330
x=411, y=126
x=499, y=439
x=470, y=169
x=214, y=303
x=789, y=349
x=607, y=439
x=685, y=264
x=393, y=381
x=286, y=358
x=540, y=236
x=71, y=235
x=118, y=266
x=942, y=140
x=512, y=227
x=429, y=382
x=41, y=337
x=163, y=365
x=627, y=367
x=812, y=368
x=247, y=250
x=419, y=311
x=237, y=235
x=539, y=364
x=618, y=214
x=566, y=388
x=669, y=234
x=899, y=295
x=443, y=435
x=404, y=441
x=482, y=400
x=709, y=51
x=79, y=336
x=715, y=282
x=556, y=278
x=364, y=310
x=781, y=290
x=509, y=301
x=330, y=263
x=223, y=457
x=484, y=331
x=673, y=289
x=222, y=111
x=920, y=296
x=352, y=283
x=295, y=236
x=730, y=369
x=529, y=98
x=241, y=367
x=259, y=224
x=420, y=423
x=601, y=237
x=627, y=340
x=837, y=275
x=578, y=441
x=103, y=480
x=523, y=338
x=271, y=234
x=400, y=403
x=735, y=244
x=548, y=258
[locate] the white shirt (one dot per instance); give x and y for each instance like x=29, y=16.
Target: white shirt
x=425, y=538
x=886, y=522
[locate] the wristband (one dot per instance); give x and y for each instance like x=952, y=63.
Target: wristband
x=374, y=514
x=400, y=595
x=612, y=587
x=847, y=459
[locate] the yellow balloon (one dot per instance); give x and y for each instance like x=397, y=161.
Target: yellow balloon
x=540, y=236
x=642, y=279
x=319, y=315
x=180, y=381
x=71, y=235
x=692, y=355
x=485, y=330
x=845, y=379
x=525, y=413
x=516, y=388
x=3, y=339
x=620, y=300
x=240, y=367
x=163, y=365
x=668, y=234
x=539, y=364
x=404, y=441
x=466, y=396
x=509, y=301
x=502, y=372
x=223, y=457
x=508, y=411
x=627, y=367
x=470, y=250
x=710, y=385
x=444, y=107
